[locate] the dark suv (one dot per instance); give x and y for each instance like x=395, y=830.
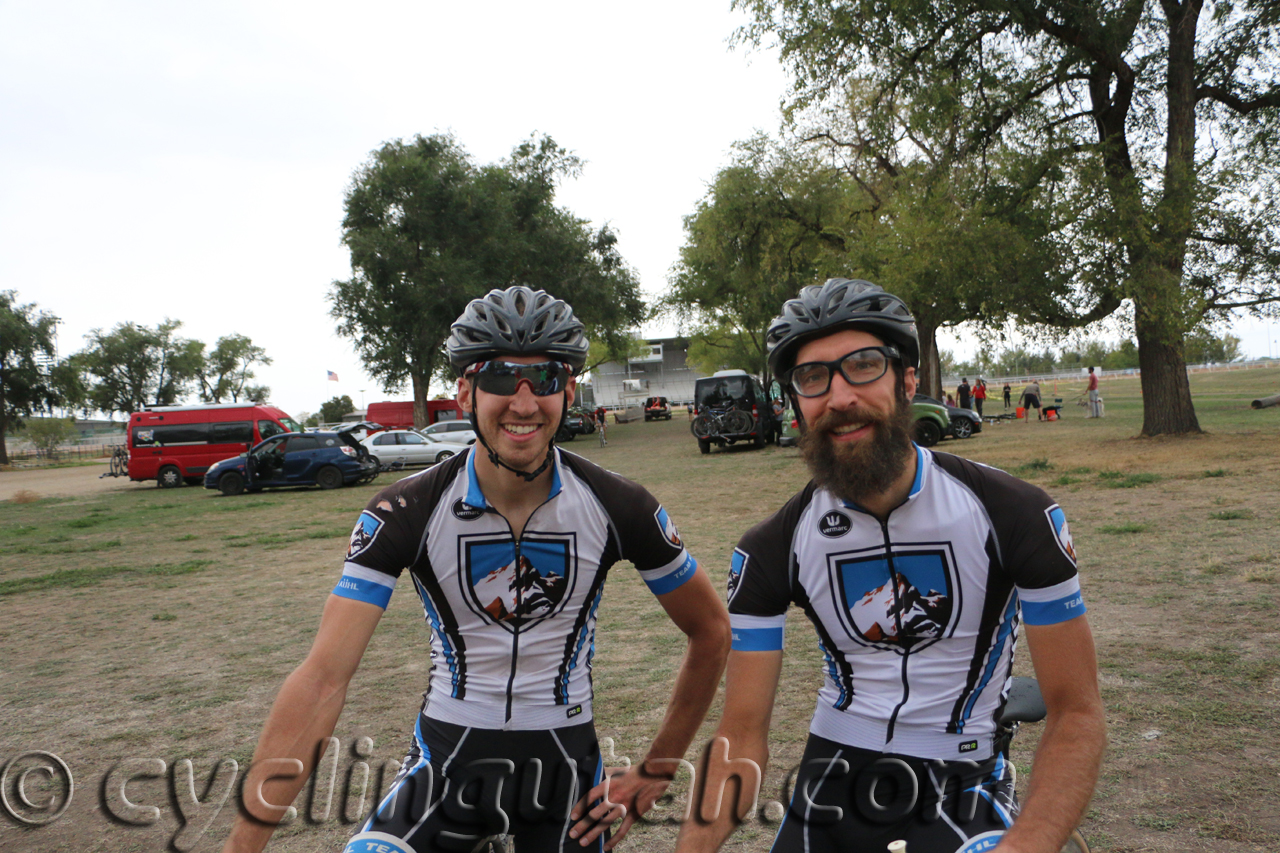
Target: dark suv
x=732, y=406
x=657, y=407
x=324, y=459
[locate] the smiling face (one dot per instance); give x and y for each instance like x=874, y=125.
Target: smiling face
x=857, y=438
x=519, y=427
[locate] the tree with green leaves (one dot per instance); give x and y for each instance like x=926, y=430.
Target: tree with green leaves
x=1146, y=130
x=48, y=434
x=227, y=369
x=429, y=230
x=758, y=236
x=27, y=350
x=332, y=410
x=133, y=366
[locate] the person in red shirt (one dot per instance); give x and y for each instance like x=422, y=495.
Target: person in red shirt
x=979, y=395
x=1095, y=403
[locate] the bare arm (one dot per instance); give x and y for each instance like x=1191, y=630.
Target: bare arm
x=750, y=687
x=304, y=714
x=699, y=613
x=1075, y=735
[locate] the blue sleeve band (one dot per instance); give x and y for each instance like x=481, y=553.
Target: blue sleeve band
x=363, y=590
x=673, y=580
x=1052, y=612
x=757, y=639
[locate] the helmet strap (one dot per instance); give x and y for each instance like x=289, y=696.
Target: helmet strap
x=495, y=460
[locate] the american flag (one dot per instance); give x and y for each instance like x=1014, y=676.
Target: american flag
x=333, y=377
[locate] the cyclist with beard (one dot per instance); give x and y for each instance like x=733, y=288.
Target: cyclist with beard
x=916, y=569
x=508, y=548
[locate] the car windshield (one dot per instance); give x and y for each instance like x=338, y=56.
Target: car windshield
x=722, y=392
x=290, y=424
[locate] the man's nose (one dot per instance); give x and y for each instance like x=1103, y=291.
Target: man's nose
x=524, y=401
x=842, y=394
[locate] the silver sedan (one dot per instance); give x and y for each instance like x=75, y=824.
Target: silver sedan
x=410, y=448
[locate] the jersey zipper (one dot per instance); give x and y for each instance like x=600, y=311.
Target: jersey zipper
x=515, y=632
x=897, y=619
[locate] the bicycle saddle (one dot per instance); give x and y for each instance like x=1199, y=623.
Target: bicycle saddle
x=1025, y=704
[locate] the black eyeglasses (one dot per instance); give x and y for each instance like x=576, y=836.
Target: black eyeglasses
x=504, y=377
x=813, y=378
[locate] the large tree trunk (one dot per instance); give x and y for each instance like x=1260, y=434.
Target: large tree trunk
x=420, y=384
x=929, y=373
x=1166, y=392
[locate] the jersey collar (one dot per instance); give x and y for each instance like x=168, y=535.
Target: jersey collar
x=476, y=498
x=916, y=485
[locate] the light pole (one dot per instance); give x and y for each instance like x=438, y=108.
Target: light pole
x=361, y=399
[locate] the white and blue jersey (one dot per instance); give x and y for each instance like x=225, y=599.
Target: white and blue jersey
x=917, y=616
x=512, y=619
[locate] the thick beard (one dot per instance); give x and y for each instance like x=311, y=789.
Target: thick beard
x=865, y=468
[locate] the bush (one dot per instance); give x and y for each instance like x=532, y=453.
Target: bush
x=47, y=434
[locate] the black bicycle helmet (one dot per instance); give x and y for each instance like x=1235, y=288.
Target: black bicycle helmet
x=840, y=303
x=520, y=321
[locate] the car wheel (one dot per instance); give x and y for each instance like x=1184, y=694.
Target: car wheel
x=961, y=427
x=329, y=477
x=761, y=439
x=231, y=483
x=443, y=455
x=704, y=445
x=169, y=477
x=927, y=433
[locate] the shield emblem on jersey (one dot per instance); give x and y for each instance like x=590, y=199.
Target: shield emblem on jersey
x=901, y=608
x=513, y=589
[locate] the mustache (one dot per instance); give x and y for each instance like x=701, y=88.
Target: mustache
x=834, y=419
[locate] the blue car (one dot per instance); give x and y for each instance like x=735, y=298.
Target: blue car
x=324, y=459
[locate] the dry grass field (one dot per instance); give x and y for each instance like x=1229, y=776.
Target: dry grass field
x=141, y=623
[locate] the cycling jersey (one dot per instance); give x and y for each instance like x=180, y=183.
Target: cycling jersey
x=512, y=619
x=917, y=616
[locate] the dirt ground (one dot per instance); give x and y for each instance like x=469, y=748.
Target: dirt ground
x=70, y=482
x=158, y=624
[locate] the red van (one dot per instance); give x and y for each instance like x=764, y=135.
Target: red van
x=399, y=415
x=177, y=444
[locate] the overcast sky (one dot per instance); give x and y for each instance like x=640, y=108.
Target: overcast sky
x=189, y=160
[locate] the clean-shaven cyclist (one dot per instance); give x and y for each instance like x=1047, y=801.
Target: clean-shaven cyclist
x=507, y=547
x=917, y=569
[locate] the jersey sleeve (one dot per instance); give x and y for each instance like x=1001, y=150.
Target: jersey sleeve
x=381, y=547
x=652, y=543
x=760, y=573
x=1033, y=538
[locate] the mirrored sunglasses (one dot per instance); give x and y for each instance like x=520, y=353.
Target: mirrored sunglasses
x=503, y=378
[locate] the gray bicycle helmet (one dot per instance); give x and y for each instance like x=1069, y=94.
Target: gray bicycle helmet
x=840, y=303
x=520, y=321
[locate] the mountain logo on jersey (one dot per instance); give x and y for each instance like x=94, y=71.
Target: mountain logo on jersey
x=466, y=512
x=1061, y=531
x=514, y=590
x=366, y=530
x=914, y=606
x=668, y=528
x=834, y=523
x=736, y=566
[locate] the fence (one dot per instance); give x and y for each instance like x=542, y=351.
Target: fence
x=24, y=455
x=1076, y=374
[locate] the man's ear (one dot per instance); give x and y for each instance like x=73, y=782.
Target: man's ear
x=570, y=391
x=909, y=382
x=463, y=397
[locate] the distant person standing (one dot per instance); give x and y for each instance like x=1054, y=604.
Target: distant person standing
x=963, y=393
x=1031, y=399
x=1095, y=405
x=1007, y=394
x=979, y=395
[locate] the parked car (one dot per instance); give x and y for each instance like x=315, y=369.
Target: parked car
x=452, y=431
x=177, y=444
x=962, y=423
x=324, y=459
x=576, y=422
x=411, y=448
x=732, y=406
x=930, y=425
x=657, y=407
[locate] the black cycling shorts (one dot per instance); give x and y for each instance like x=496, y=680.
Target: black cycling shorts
x=850, y=800
x=459, y=785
